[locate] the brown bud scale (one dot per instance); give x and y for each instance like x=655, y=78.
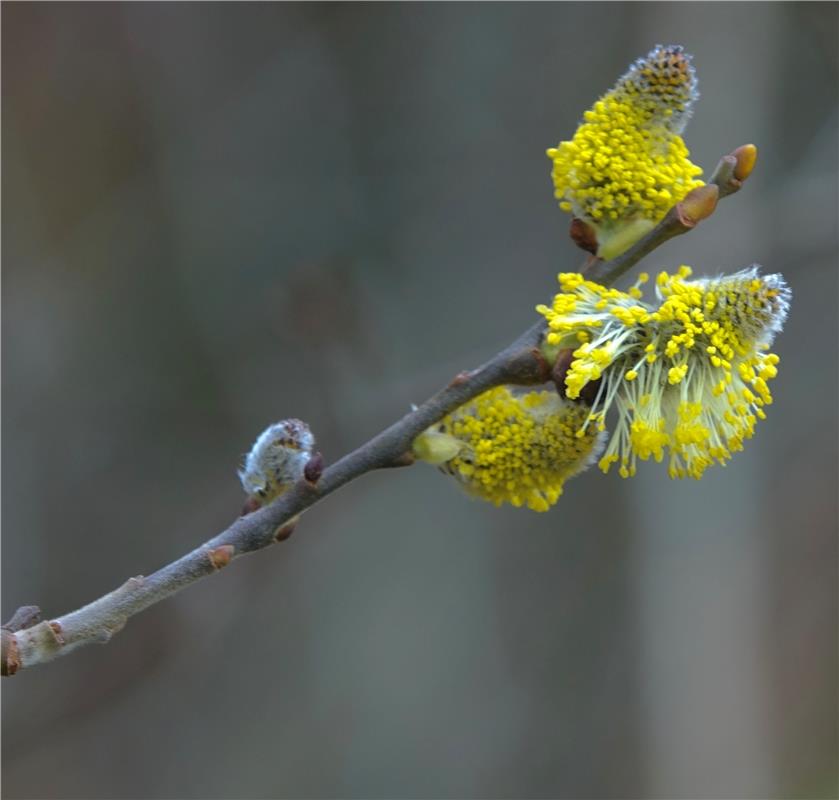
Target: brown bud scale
x=588, y=394
x=284, y=531
x=314, y=468
x=57, y=632
x=251, y=504
x=560, y=369
x=405, y=460
x=9, y=657
x=221, y=556
x=583, y=235
x=460, y=378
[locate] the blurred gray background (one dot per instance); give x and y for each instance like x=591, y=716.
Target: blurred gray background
x=218, y=215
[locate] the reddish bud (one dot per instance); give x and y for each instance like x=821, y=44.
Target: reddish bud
x=460, y=378
x=314, y=468
x=251, y=504
x=220, y=556
x=583, y=235
x=284, y=531
x=588, y=393
x=57, y=632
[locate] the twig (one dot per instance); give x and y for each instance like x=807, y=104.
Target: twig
x=699, y=204
x=520, y=364
x=27, y=642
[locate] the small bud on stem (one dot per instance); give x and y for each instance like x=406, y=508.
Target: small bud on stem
x=746, y=157
x=221, y=556
x=583, y=235
x=698, y=204
x=314, y=468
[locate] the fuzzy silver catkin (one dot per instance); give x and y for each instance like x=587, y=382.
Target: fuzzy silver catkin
x=277, y=459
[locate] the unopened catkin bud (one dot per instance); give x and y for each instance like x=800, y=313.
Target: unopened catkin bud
x=277, y=460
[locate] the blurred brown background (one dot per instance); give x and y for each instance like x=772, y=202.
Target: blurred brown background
x=218, y=215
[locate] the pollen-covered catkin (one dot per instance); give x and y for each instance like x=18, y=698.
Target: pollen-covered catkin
x=688, y=376
x=627, y=164
x=512, y=448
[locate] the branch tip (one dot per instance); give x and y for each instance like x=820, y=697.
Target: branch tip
x=724, y=171
x=24, y=617
x=734, y=168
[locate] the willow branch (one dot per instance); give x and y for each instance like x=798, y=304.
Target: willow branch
x=27, y=641
x=25, y=644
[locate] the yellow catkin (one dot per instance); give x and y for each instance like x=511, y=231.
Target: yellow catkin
x=689, y=376
x=627, y=165
x=513, y=448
